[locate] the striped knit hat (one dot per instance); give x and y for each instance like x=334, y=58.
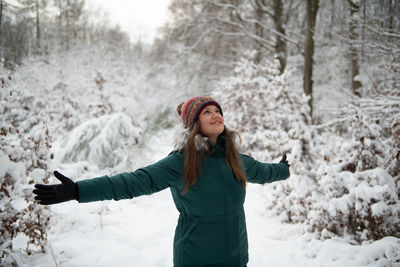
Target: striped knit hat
x=190, y=110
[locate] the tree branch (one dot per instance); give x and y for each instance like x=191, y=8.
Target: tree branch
x=254, y=21
x=353, y=4
x=263, y=8
x=196, y=43
x=253, y=36
x=236, y=34
x=291, y=8
x=382, y=32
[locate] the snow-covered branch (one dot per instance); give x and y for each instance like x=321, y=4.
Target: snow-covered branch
x=263, y=8
x=17, y=5
x=235, y=34
x=239, y=15
x=382, y=32
x=267, y=44
x=198, y=41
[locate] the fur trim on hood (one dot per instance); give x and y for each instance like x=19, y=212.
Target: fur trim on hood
x=202, y=143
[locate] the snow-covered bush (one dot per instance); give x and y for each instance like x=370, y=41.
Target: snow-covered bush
x=358, y=206
x=354, y=190
x=24, y=159
x=363, y=204
x=271, y=116
x=101, y=141
x=341, y=185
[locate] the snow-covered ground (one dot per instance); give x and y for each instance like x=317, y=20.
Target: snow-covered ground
x=99, y=130
x=139, y=232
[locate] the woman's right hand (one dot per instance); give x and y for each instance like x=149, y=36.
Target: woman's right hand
x=284, y=161
x=53, y=194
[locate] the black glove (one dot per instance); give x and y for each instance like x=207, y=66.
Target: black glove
x=53, y=194
x=284, y=161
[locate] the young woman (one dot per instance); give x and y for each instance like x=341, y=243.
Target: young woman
x=207, y=178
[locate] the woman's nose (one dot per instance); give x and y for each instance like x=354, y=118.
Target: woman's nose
x=215, y=114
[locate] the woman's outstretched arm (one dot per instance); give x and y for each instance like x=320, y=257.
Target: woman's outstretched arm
x=260, y=173
x=143, y=181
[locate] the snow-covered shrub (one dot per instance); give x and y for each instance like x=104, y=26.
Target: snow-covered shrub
x=354, y=190
x=101, y=141
x=24, y=157
x=65, y=113
x=341, y=185
x=358, y=206
x=271, y=117
x=364, y=205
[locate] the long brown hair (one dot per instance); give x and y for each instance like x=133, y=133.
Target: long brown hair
x=192, y=165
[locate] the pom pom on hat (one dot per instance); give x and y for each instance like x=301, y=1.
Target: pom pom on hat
x=190, y=110
x=179, y=108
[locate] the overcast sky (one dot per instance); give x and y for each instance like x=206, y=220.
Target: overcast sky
x=139, y=18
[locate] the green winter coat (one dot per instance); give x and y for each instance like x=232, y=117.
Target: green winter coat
x=211, y=228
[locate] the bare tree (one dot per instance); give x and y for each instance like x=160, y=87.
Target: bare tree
x=198, y=44
x=1, y=31
x=311, y=15
x=332, y=18
x=259, y=30
x=275, y=12
x=69, y=18
x=255, y=25
x=1, y=14
x=280, y=12
x=280, y=43
x=353, y=55
x=15, y=28
x=37, y=24
x=208, y=26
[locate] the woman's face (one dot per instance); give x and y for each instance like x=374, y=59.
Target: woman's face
x=211, y=122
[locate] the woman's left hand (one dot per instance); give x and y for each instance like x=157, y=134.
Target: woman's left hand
x=53, y=194
x=284, y=161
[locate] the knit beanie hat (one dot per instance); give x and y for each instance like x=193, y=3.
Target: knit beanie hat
x=190, y=110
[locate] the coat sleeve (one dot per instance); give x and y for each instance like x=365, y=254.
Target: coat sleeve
x=261, y=173
x=144, y=181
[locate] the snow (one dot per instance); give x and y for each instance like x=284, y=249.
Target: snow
x=89, y=142
x=140, y=231
x=100, y=140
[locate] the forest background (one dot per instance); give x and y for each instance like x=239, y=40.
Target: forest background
x=317, y=80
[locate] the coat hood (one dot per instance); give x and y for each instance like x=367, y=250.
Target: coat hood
x=202, y=142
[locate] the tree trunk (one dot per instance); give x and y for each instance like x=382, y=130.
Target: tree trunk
x=332, y=19
x=1, y=14
x=391, y=17
x=311, y=15
x=259, y=31
x=353, y=60
x=60, y=23
x=364, y=19
x=67, y=20
x=280, y=45
x=37, y=25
